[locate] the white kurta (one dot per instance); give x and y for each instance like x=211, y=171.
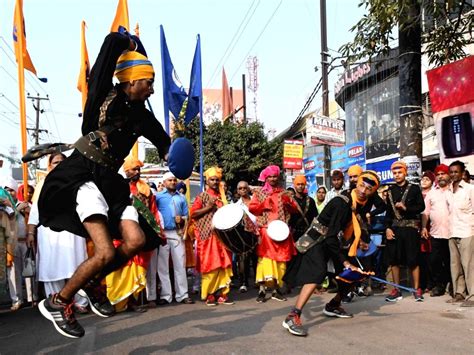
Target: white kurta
x=59, y=253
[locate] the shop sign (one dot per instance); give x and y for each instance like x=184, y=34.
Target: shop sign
x=293, y=154
x=325, y=130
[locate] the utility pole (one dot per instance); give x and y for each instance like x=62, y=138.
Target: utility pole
x=36, y=130
x=324, y=67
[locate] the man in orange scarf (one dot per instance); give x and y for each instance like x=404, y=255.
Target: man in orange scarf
x=342, y=213
x=214, y=261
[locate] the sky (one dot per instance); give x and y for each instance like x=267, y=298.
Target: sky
x=283, y=34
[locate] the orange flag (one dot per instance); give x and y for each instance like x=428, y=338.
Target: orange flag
x=227, y=106
x=85, y=67
x=19, y=38
x=121, y=17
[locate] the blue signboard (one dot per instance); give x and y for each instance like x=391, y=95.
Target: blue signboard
x=313, y=166
x=338, y=158
x=382, y=168
x=356, y=154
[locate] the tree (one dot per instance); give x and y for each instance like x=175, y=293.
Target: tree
x=447, y=29
x=242, y=150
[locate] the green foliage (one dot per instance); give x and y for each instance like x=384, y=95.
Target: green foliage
x=444, y=36
x=241, y=150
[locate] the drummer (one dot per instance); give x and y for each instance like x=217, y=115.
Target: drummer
x=214, y=261
x=270, y=203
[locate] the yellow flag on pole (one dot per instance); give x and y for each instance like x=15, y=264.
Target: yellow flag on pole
x=85, y=67
x=19, y=35
x=24, y=62
x=121, y=16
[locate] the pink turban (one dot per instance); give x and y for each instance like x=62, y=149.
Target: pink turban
x=271, y=170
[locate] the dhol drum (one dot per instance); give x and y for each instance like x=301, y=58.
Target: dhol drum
x=228, y=222
x=278, y=230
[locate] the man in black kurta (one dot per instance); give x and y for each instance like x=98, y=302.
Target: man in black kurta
x=85, y=194
x=299, y=222
x=404, y=205
x=309, y=269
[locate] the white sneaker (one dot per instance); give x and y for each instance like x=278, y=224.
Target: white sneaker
x=243, y=289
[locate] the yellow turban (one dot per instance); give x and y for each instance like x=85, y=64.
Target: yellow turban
x=399, y=164
x=354, y=170
x=131, y=163
x=299, y=179
x=217, y=172
x=214, y=171
x=133, y=66
x=370, y=177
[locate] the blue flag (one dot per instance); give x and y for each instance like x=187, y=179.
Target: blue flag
x=173, y=91
x=195, y=85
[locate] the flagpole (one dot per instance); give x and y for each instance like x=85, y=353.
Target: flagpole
x=21, y=88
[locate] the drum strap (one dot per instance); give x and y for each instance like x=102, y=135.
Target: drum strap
x=204, y=224
x=303, y=213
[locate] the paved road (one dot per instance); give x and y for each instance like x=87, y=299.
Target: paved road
x=407, y=327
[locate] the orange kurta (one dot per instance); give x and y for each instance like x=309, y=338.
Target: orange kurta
x=211, y=253
x=269, y=207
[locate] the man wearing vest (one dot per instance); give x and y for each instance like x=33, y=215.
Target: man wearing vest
x=402, y=220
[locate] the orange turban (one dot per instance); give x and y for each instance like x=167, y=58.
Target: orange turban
x=131, y=163
x=370, y=177
x=355, y=170
x=399, y=164
x=214, y=171
x=299, y=179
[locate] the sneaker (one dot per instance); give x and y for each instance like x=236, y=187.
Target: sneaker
x=293, y=324
x=348, y=298
x=62, y=316
x=98, y=300
x=277, y=296
x=261, y=297
x=418, y=295
x=80, y=309
x=394, y=296
x=16, y=306
x=211, y=301
x=338, y=312
x=243, y=289
x=225, y=300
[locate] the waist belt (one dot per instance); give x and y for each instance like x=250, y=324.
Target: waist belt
x=412, y=223
x=21, y=239
x=85, y=146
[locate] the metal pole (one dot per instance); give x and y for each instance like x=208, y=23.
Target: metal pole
x=244, y=99
x=324, y=67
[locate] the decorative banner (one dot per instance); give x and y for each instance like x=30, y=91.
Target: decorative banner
x=413, y=168
x=313, y=167
x=355, y=153
x=293, y=154
x=338, y=158
x=324, y=130
x=452, y=101
x=382, y=168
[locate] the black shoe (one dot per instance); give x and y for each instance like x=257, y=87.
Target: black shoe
x=277, y=296
x=162, y=302
x=338, y=312
x=437, y=291
x=98, y=300
x=62, y=316
x=293, y=324
x=187, y=300
x=261, y=297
